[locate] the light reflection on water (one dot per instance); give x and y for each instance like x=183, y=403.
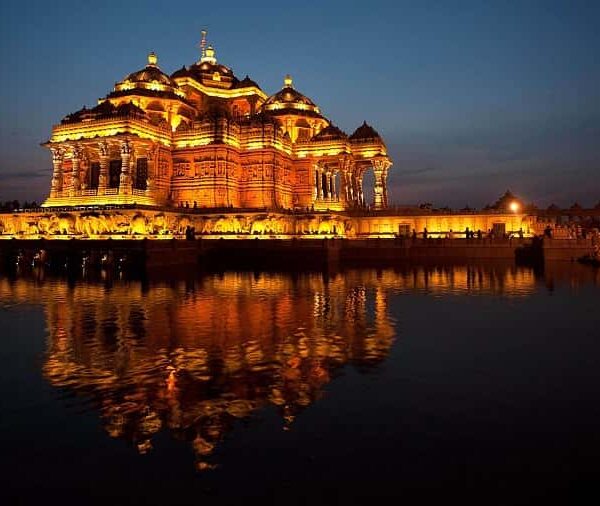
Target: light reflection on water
x=193, y=356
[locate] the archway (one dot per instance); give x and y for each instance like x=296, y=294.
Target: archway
x=368, y=185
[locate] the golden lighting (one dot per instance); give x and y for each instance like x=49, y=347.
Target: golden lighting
x=207, y=141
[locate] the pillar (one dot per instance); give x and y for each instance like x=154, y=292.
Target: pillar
x=150, y=182
x=75, y=176
x=361, y=195
x=125, y=178
x=57, y=175
x=104, y=161
x=84, y=169
x=343, y=189
x=380, y=168
x=385, y=191
x=318, y=177
x=353, y=188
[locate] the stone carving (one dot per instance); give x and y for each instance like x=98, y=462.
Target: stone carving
x=228, y=224
x=93, y=224
x=268, y=225
x=63, y=224
x=160, y=224
x=119, y=223
x=138, y=225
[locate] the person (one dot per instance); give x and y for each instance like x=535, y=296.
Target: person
x=425, y=233
x=521, y=233
x=414, y=235
x=548, y=232
x=478, y=233
x=467, y=233
x=451, y=234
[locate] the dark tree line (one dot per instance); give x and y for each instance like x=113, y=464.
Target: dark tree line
x=12, y=205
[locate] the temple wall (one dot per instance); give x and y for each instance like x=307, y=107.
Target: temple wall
x=443, y=225
x=103, y=223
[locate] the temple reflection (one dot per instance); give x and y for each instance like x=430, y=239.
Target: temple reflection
x=193, y=356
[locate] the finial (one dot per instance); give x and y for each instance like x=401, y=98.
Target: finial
x=287, y=81
x=209, y=56
x=152, y=59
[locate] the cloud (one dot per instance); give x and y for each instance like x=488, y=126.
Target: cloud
x=416, y=172
x=27, y=174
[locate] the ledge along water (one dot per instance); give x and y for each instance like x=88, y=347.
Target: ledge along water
x=291, y=253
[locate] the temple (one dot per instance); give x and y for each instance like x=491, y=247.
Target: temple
x=202, y=150
x=204, y=138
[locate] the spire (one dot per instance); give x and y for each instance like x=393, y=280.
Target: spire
x=207, y=53
x=152, y=59
x=287, y=81
x=203, y=43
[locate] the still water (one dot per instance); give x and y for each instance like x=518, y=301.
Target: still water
x=476, y=382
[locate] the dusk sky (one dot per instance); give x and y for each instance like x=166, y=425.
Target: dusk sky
x=471, y=97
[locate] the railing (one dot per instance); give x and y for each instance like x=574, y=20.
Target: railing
x=111, y=191
x=89, y=193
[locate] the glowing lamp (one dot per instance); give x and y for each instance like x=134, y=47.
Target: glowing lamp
x=514, y=206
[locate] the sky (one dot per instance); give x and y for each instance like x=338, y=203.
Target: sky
x=472, y=98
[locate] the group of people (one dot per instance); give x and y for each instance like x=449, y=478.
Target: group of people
x=467, y=234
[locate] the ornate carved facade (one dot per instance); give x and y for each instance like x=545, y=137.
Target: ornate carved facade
x=203, y=138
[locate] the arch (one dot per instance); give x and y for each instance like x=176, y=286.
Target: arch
x=368, y=186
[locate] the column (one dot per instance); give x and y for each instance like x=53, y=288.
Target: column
x=150, y=182
x=380, y=167
x=343, y=187
x=361, y=195
x=318, y=176
x=57, y=175
x=385, y=191
x=75, y=176
x=84, y=169
x=104, y=161
x=125, y=178
x=353, y=190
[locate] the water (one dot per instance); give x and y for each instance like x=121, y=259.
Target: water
x=479, y=383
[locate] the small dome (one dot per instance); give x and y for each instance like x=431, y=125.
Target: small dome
x=290, y=99
x=365, y=131
x=330, y=133
x=150, y=73
x=246, y=83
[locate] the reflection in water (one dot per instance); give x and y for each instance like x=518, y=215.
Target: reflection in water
x=194, y=356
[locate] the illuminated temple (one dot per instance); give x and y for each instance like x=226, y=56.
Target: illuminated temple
x=202, y=137
x=203, y=150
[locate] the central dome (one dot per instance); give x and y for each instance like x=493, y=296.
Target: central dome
x=290, y=101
